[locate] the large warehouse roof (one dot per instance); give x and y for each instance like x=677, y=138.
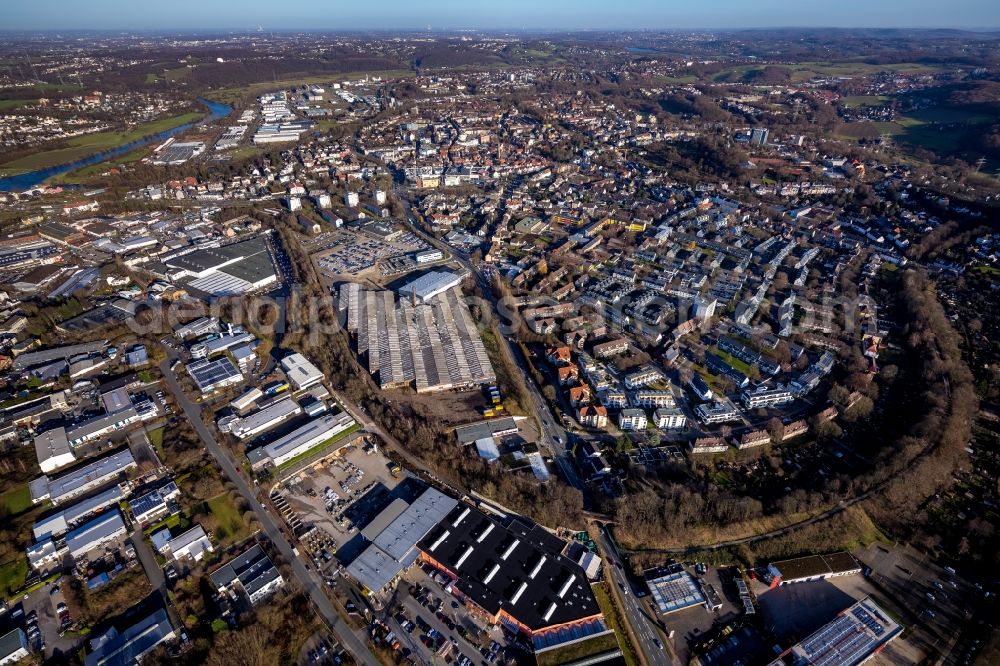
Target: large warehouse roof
x=430, y=284
x=394, y=534
x=849, y=639
x=79, y=480
x=512, y=568
x=816, y=566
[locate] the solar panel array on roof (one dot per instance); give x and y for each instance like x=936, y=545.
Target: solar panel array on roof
x=153, y=502
x=209, y=375
x=674, y=591
x=850, y=639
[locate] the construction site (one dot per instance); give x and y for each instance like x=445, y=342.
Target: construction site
x=431, y=343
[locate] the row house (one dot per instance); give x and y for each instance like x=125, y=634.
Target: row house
x=753, y=439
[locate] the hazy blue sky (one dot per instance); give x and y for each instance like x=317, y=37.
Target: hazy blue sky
x=485, y=14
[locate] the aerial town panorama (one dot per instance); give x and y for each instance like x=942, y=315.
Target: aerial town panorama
x=639, y=335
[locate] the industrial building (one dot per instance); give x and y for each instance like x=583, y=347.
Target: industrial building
x=300, y=372
x=253, y=573
x=673, y=589
x=228, y=270
x=491, y=429
x=31, y=359
x=174, y=153
x=300, y=440
x=95, y=534
x=432, y=345
x=117, y=647
x=53, y=450
x=265, y=419
x=213, y=375
x=13, y=647
x=858, y=633
x=99, y=426
x=281, y=132
x=81, y=480
x=429, y=285
x=514, y=575
x=393, y=536
x=198, y=327
x=811, y=567
x=61, y=522
x=241, y=404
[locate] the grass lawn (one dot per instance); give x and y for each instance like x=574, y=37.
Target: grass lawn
x=731, y=360
x=88, y=144
x=319, y=447
x=17, y=501
x=805, y=71
x=246, y=151
x=7, y=104
x=939, y=129
x=98, y=169
x=851, y=101
x=13, y=575
x=156, y=439
x=675, y=80
x=171, y=521
x=577, y=651
x=231, y=525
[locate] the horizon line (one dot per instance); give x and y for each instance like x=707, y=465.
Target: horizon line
x=553, y=30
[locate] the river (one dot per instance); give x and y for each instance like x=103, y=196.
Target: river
x=31, y=179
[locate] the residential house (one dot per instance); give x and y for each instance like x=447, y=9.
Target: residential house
x=670, y=418
x=632, y=419
x=592, y=416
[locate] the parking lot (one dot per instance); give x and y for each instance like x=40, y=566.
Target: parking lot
x=320, y=649
x=796, y=610
x=428, y=620
x=939, y=604
x=44, y=618
x=690, y=624
x=350, y=253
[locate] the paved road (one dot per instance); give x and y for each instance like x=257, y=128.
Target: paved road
x=148, y=561
x=309, y=580
x=635, y=612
